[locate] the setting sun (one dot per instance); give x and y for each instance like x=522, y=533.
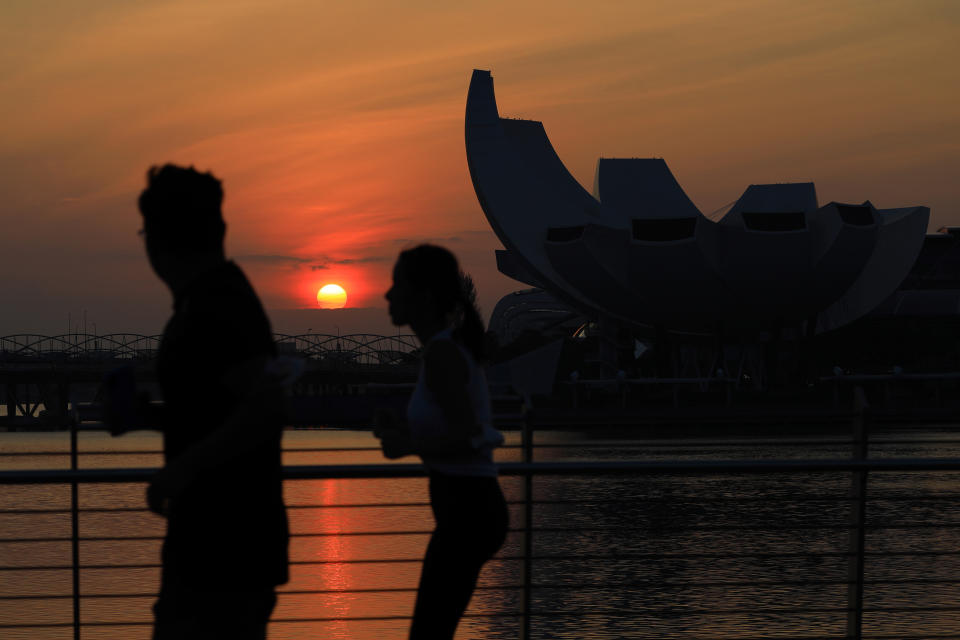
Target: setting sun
x=331, y=296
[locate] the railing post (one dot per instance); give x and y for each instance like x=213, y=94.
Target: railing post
x=527, y=447
x=75, y=530
x=858, y=517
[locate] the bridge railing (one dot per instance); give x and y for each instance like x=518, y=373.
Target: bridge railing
x=359, y=348
x=84, y=346
x=844, y=559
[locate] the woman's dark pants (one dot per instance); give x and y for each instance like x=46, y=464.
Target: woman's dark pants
x=471, y=525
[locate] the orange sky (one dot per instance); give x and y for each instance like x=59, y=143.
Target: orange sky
x=337, y=128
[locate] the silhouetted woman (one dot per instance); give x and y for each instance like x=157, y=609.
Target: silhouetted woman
x=449, y=427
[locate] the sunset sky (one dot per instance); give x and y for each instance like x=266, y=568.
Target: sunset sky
x=337, y=128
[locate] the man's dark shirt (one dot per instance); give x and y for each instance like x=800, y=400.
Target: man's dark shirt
x=228, y=530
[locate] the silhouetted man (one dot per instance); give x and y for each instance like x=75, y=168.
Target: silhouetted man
x=220, y=489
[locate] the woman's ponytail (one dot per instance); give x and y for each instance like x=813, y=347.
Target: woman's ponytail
x=436, y=269
x=470, y=332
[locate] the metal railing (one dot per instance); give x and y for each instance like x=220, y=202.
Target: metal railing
x=362, y=348
x=855, y=542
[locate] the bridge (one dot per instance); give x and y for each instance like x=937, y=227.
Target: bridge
x=43, y=377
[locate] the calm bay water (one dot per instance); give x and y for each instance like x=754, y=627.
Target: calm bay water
x=656, y=556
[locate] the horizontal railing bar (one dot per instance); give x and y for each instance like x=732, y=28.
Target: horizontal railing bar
x=473, y=615
x=742, y=555
x=545, y=445
x=368, y=505
x=687, y=637
x=548, y=614
x=289, y=507
x=388, y=618
x=406, y=470
x=83, y=539
x=49, y=625
x=639, y=500
x=711, y=584
x=902, y=637
x=62, y=625
x=676, y=612
x=618, y=585
x=280, y=592
x=588, y=501
x=158, y=538
x=620, y=557
x=693, y=444
x=69, y=596
x=15, y=454
x=725, y=498
x=763, y=442
x=301, y=592
x=615, y=444
x=154, y=565
x=739, y=611
x=112, y=452
x=575, y=445
x=885, y=441
x=749, y=527
x=325, y=534
x=732, y=527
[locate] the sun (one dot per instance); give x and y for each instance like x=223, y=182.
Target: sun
x=331, y=296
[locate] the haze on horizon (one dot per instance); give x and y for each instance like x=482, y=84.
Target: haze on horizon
x=337, y=128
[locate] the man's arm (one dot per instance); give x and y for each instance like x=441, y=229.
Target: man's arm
x=254, y=421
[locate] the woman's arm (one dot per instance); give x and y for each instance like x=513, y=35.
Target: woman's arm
x=447, y=376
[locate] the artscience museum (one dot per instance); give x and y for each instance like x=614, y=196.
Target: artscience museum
x=636, y=252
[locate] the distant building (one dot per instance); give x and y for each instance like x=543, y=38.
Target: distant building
x=638, y=255
x=639, y=251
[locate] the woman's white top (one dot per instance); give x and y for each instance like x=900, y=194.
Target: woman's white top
x=426, y=420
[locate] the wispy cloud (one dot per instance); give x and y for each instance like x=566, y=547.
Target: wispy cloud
x=463, y=236
x=273, y=259
x=317, y=263
x=361, y=260
x=339, y=137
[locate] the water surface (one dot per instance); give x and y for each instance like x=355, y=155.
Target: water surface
x=721, y=556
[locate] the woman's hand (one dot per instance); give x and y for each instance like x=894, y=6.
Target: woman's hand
x=396, y=442
x=395, y=438
x=385, y=420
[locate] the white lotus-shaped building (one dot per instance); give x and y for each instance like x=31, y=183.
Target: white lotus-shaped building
x=639, y=251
